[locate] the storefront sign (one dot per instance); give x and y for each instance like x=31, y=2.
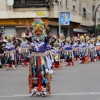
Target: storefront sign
x=40, y=14
x=21, y=22
x=65, y=18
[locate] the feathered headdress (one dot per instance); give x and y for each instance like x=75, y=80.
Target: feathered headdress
x=38, y=23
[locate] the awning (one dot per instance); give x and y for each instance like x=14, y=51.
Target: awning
x=82, y=30
x=87, y=10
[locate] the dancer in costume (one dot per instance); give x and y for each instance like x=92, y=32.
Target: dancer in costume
x=25, y=50
x=92, y=51
x=87, y=49
x=40, y=66
x=2, y=50
x=76, y=48
x=10, y=54
x=82, y=50
x=69, y=57
x=56, y=55
x=98, y=47
x=62, y=44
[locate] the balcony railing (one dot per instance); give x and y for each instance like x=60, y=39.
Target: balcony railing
x=31, y=4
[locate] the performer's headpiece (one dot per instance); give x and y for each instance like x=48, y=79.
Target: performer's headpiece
x=61, y=35
x=87, y=37
x=38, y=24
x=82, y=37
x=68, y=39
x=92, y=41
x=75, y=39
x=98, y=38
x=23, y=35
x=10, y=37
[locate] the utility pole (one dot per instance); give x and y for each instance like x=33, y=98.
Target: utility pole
x=59, y=17
x=95, y=28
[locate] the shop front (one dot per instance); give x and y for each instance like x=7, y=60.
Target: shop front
x=18, y=25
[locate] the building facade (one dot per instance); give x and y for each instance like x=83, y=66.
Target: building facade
x=14, y=14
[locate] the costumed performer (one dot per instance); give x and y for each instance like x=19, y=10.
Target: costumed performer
x=10, y=53
x=25, y=50
x=40, y=66
x=69, y=57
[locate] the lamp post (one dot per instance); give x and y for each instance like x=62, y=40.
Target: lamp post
x=59, y=17
x=95, y=28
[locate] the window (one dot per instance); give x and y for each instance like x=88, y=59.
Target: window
x=67, y=3
x=74, y=4
x=17, y=1
x=31, y=3
x=93, y=10
x=23, y=1
x=84, y=12
x=99, y=15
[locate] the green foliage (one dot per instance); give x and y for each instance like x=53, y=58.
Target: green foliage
x=98, y=27
x=92, y=27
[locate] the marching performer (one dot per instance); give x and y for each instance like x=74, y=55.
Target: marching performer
x=92, y=51
x=25, y=50
x=98, y=47
x=69, y=57
x=87, y=49
x=56, y=55
x=76, y=48
x=10, y=54
x=40, y=66
x=62, y=44
x=82, y=50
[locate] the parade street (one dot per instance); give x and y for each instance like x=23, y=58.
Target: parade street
x=81, y=82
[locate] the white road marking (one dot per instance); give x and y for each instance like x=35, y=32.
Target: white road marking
x=58, y=94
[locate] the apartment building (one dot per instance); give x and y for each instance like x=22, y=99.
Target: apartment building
x=14, y=14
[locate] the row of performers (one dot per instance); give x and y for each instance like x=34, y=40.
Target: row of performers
x=60, y=49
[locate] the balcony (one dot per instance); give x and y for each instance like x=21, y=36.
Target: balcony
x=31, y=3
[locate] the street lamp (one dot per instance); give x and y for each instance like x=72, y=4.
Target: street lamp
x=59, y=17
x=95, y=28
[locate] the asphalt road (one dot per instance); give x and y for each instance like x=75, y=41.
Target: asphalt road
x=81, y=82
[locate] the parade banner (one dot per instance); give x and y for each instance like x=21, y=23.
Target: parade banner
x=65, y=18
